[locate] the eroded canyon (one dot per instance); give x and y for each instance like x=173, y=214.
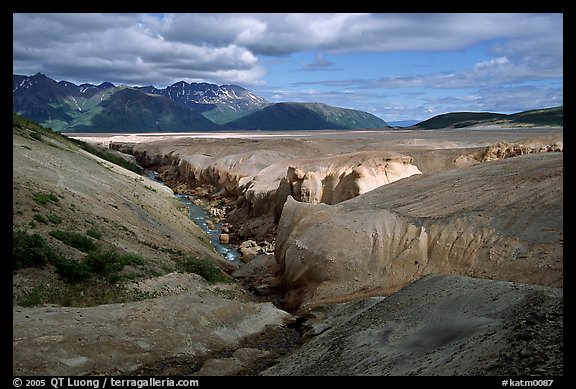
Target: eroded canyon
x=354, y=217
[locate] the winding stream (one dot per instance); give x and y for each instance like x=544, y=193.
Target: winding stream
x=200, y=216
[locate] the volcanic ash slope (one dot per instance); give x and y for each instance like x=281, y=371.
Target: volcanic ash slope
x=438, y=325
x=498, y=220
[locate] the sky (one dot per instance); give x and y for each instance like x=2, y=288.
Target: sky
x=396, y=66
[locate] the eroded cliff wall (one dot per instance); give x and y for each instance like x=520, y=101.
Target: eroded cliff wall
x=499, y=220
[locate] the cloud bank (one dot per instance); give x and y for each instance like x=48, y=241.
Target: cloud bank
x=160, y=49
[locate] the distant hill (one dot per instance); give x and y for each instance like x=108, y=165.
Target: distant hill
x=539, y=117
x=306, y=116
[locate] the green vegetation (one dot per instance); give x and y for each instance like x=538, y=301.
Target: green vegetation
x=28, y=128
x=44, y=198
x=36, y=136
x=306, y=116
x=96, y=274
x=541, y=117
x=94, y=279
x=31, y=250
x=35, y=297
x=458, y=119
x=54, y=219
x=72, y=271
x=203, y=267
x=221, y=114
x=108, y=264
x=538, y=117
x=83, y=294
x=94, y=233
x=40, y=218
x=131, y=110
x=75, y=239
x=108, y=156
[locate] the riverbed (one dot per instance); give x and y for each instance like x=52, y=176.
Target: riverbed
x=201, y=216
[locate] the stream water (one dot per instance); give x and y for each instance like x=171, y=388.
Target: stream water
x=200, y=216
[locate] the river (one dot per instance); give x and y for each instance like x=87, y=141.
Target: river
x=200, y=216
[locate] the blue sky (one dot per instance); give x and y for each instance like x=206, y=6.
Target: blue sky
x=396, y=66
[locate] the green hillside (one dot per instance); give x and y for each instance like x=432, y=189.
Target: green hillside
x=540, y=117
x=533, y=118
x=306, y=116
x=225, y=114
x=130, y=110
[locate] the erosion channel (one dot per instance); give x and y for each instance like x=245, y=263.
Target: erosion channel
x=201, y=216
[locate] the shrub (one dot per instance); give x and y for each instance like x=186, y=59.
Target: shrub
x=73, y=271
x=31, y=250
x=109, y=264
x=34, y=297
x=54, y=219
x=105, y=263
x=203, y=267
x=75, y=239
x=40, y=218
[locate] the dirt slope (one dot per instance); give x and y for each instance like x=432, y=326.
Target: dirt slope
x=438, y=325
x=150, y=313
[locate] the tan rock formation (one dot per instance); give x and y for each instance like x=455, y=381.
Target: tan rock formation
x=331, y=180
x=500, y=220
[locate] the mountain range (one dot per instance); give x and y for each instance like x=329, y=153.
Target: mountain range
x=180, y=107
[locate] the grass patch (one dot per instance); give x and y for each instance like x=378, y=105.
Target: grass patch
x=75, y=239
x=44, y=198
x=85, y=294
x=94, y=233
x=203, y=267
x=108, y=156
x=54, y=219
x=32, y=250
